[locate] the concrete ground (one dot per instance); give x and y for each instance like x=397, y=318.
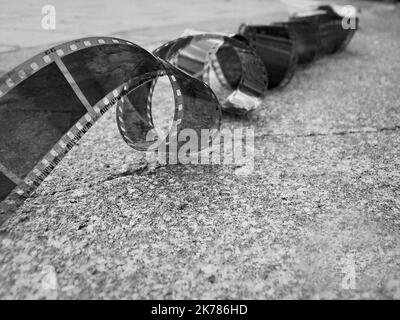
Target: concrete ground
x=21, y=21
x=321, y=205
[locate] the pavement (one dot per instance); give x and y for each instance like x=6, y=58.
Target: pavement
x=21, y=21
x=320, y=207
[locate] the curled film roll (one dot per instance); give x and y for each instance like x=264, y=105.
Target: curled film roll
x=325, y=25
x=50, y=101
x=276, y=46
x=231, y=68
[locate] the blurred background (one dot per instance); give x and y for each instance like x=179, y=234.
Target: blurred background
x=140, y=21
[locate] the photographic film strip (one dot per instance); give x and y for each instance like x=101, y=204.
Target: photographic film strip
x=302, y=39
x=232, y=69
x=307, y=39
x=334, y=37
x=321, y=32
x=50, y=101
x=276, y=45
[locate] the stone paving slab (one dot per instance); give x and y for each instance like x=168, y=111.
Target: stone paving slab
x=324, y=194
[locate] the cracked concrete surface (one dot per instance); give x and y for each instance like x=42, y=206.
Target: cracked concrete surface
x=324, y=194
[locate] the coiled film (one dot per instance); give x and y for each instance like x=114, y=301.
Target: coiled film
x=327, y=24
x=307, y=39
x=276, y=46
x=232, y=69
x=50, y=101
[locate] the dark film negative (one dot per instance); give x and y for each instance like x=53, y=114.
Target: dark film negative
x=326, y=22
x=50, y=101
x=232, y=69
x=333, y=23
x=307, y=39
x=276, y=46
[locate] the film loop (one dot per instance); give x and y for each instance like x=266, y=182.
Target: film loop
x=321, y=31
x=277, y=47
x=231, y=68
x=50, y=101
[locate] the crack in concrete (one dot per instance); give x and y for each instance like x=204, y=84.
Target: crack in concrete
x=334, y=133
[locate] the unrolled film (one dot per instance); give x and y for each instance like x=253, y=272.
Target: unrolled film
x=50, y=101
